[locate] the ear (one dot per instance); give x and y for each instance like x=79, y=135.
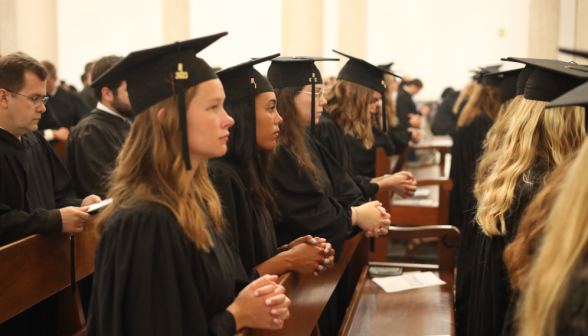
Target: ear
x=161, y=115
x=4, y=99
x=107, y=94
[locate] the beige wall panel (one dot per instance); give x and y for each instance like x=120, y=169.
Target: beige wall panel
x=176, y=20
x=352, y=38
x=581, y=29
x=302, y=28
x=544, y=28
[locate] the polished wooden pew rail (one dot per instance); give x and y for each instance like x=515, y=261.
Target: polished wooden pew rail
x=37, y=267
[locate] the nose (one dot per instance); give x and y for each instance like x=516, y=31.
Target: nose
x=279, y=118
x=322, y=101
x=41, y=108
x=228, y=120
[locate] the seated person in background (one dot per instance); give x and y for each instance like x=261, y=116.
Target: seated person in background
x=240, y=178
x=444, y=121
x=93, y=145
x=87, y=94
x=65, y=106
x=36, y=193
x=409, y=119
x=352, y=102
x=163, y=263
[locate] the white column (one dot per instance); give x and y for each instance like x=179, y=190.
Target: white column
x=176, y=20
x=544, y=28
x=29, y=26
x=352, y=39
x=302, y=28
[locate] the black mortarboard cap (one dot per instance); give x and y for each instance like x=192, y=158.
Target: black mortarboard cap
x=574, y=52
x=241, y=82
x=292, y=71
x=508, y=83
x=479, y=74
x=551, y=79
x=366, y=74
x=575, y=97
x=490, y=80
x=524, y=77
x=387, y=66
x=153, y=75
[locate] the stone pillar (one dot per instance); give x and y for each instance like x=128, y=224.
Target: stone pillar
x=581, y=38
x=544, y=28
x=352, y=38
x=302, y=28
x=29, y=26
x=176, y=20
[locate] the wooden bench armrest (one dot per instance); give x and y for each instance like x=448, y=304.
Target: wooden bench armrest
x=445, y=183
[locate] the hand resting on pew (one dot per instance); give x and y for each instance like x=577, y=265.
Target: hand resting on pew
x=305, y=255
x=371, y=217
x=73, y=218
x=402, y=183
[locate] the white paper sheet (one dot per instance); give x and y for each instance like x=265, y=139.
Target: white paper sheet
x=408, y=281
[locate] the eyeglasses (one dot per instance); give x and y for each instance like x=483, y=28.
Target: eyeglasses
x=34, y=100
x=318, y=95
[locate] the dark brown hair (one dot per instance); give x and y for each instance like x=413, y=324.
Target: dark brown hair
x=13, y=68
x=291, y=130
x=100, y=67
x=486, y=101
x=51, y=70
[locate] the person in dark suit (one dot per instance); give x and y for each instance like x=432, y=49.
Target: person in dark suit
x=87, y=94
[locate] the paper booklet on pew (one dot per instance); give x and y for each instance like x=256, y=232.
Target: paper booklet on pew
x=408, y=281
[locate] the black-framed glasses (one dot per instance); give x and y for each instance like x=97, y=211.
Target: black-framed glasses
x=34, y=100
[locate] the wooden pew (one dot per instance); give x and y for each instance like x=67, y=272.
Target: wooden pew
x=309, y=294
x=433, y=211
x=38, y=267
x=424, y=311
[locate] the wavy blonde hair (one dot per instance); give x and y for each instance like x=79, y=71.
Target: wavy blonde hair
x=150, y=168
x=561, y=253
x=485, y=99
x=390, y=106
x=348, y=106
x=465, y=93
x=494, y=140
x=535, y=136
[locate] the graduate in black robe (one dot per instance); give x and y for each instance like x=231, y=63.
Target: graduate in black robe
x=363, y=160
x=94, y=144
x=490, y=290
x=332, y=135
x=240, y=178
x=445, y=121
x=467, y=153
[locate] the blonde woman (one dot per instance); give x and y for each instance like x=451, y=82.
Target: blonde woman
x=350, y=105
x=555, y=287
x=511, y=92
x=162, y=266
x=536, y=141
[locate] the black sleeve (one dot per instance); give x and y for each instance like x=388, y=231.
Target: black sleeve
x=238, y=216
x=90, y=152
x=16, y=225
x=400, y=138
x=404, y=107
x=48, y=121
x=306, y=209
x=148, y=285
x=62, y=183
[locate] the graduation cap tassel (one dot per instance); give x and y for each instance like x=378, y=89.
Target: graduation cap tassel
x=312, y=108
x=384, y=121
x=252, y=88
x=180, y=76
x=72, y=262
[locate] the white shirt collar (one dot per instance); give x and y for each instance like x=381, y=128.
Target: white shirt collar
x=104, y=108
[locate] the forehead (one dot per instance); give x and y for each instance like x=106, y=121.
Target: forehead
x=33, y=82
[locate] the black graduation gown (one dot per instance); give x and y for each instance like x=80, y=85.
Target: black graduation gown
x=48, y=121
x=363, y=160
x=34, y=185
x=322, y=210
x=400, y=138
x=333, y=138
x=66, y=107
x=467, y=150
x=404, y=106
x=91, y=151
x=150, y=279
x=490, y=290
x=87, y=97
x=252, y=228
x=445, y=121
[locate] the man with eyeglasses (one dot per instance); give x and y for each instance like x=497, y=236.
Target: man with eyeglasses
x=36, y=193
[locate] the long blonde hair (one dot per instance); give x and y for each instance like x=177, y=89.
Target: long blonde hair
x=485, y=99
x=348, y=106
x=493, y=141
x=464, y=94
x=561, y=254
x=390, y=106
x=150, y=168
x=535, y=136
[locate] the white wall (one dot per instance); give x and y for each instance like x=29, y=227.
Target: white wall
x=254, y=26
x=440, y=41
x=90, y=29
